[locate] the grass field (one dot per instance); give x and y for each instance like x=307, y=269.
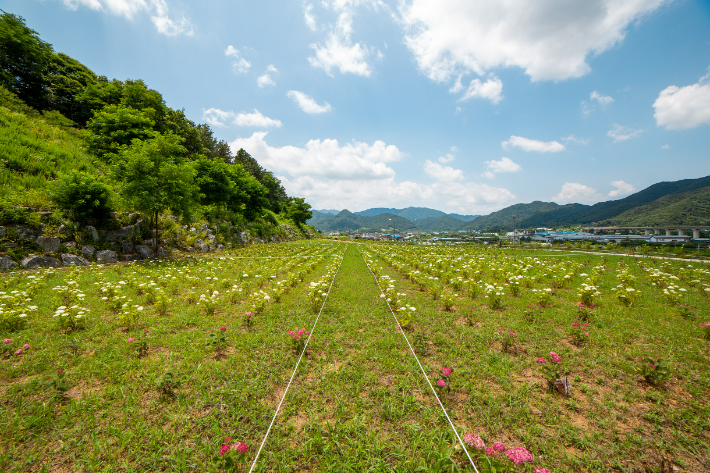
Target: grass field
x=197, y=369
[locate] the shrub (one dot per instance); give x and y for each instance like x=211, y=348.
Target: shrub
x=83, y=194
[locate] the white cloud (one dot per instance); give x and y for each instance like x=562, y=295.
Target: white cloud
x=533, y=145
x=622, y=133
x=492, y=90
x=129, y=8
x=549, y=39
x=266, y=79
x=324, y=158
x=622, y=188
x=239, y=64
x=679, y=108
x=504, y=165
x=307, y=103
x=442, y=173
x=574, y=139
x=221, y=118
x=665, y=146
x=576, y=192
x=603, y=100
x=309, y=18
x=339, y=50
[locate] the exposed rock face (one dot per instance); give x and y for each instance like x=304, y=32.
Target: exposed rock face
x=3, y=232
x=32, y=262
x=88, y=251
x=106, y=256
x=6, y=263
x=93, y=232
x=204, y=248
x=122, y=234
x=68, y=260
x=24, y=232
x=244, y=237
x=220, y=246
x=48, y=244
x=145, y=252
x=128, y=247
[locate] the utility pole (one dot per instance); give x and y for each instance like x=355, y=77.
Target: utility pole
x=515, y=237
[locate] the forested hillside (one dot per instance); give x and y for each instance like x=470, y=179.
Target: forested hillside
x=83, y=145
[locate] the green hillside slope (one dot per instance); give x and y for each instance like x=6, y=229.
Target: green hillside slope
x=503, y=219
x=348, y=221
x=687, y=208
x=418, y=213
x=442, y=223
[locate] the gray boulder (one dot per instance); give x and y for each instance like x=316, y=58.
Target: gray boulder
x=70, y=244
x=24, y=232
x=92, y=232
x=68, y=260
x=145, y=252
x=6, y=263
x=220, y=246
x=119, y=235
x=88, y=251
x=244, y=237
x=128, y=247
x=48, y=244
x=32, y=262
x=106, y=256
x=204, y=248
x=163, y=253
x=3, y=232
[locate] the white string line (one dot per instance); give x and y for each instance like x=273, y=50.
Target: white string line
x=420, y=365
x=296, y=368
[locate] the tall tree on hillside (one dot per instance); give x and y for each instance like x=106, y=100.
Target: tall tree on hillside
x=23, y=60
x=115, y=126
x=214, y=149
x=156, y=178
x=277, y=194
x=298, y=210
x=66, y=79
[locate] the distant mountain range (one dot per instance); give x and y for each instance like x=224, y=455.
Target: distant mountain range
x=685, y=202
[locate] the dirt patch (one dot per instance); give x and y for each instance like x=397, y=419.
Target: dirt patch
x=83, y=390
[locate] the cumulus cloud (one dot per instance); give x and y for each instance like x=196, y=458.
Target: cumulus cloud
x=326, y=158
x=307, y=103
x=576, y=192
x=492, y=89
x=622, y=188
x=441, y=172
x=603, y=100
x=574, y=139
x=549, y=39
x=221, y=118
x=527, y=144
x=679, y=108
x=503, y=165
x=239, y=64
x=309, y=18
x=622, y=133
x=264, y=80
x=158, y=9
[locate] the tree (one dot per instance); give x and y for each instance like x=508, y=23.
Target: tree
x=115, y=126
x=298, y=210
x=96, y=96
x=86, y=196
x=214, y=149
x=66, y=79
x=277, y=194
x=155, y=178
x=23, y=60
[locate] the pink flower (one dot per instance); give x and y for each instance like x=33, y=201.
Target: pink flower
x=586, y=333
x=553, y=353
x=227, y=440
x=519, y=455
x=474, y=440
x=300, y=332
x=498, y=446
x=556, y=359
x=131, y=339
x=291, y=332
x=295, y=336
x=702, y=325
x=223, y=328
x=60, y=370
x=320, y=352
x=652, y=365
x=224, y=449
x=585, y=324
x=247, y=314
x=26, y=346
x=441, y=383
x=242, y=448
x=145, y=330
x=576, y=324
x=19, y=351
x=446, y=371
x=7, y=340
x=307, y=332
x=541, y=470
x=541, y=360
x=490, y=452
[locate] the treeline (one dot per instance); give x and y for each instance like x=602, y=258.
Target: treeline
x=155, y=158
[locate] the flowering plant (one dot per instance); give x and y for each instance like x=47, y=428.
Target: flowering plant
x=580, y=333
x=249, y=319
x=219, y=339
x=167, y=385
x=706, y=327
x=447, y=298
x=508, y=337
x=587, y=293
x=60, y=385
x=554, y=374
x=543, y=297
x=71, y=318
x=298, y=339
x=231, y=455
x=495, y=296
x=654, y=371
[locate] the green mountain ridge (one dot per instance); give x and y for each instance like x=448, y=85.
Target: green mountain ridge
x=687, y=208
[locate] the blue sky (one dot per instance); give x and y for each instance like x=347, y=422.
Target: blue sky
x=462, y=106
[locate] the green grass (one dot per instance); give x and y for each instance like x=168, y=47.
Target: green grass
x=358, y=401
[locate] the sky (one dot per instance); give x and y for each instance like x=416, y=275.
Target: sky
x=461, y=106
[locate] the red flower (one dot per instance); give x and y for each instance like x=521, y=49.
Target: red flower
x=224, y=449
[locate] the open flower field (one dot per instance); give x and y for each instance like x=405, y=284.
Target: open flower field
x=540, y=361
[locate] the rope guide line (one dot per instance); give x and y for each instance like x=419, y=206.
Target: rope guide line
x=296, y=368
x=420, y=366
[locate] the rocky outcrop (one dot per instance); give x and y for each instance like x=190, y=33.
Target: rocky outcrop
x=106, y=256
x=93, y=233
x=88, y=251
x=48, y=244
x=69, y=259
x=7, y=263
x=32, y=262
x=145, y=252
x=128, y=247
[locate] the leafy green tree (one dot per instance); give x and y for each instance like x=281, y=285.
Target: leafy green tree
x=87, y=197
x=178, y=124
x=214, y=149
x=276, y=193
x=138, y=96
x=96, y=96
x=66, y=79
x=23, y=60
x=115, y=126
x=298, y=210
x=155, y=178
